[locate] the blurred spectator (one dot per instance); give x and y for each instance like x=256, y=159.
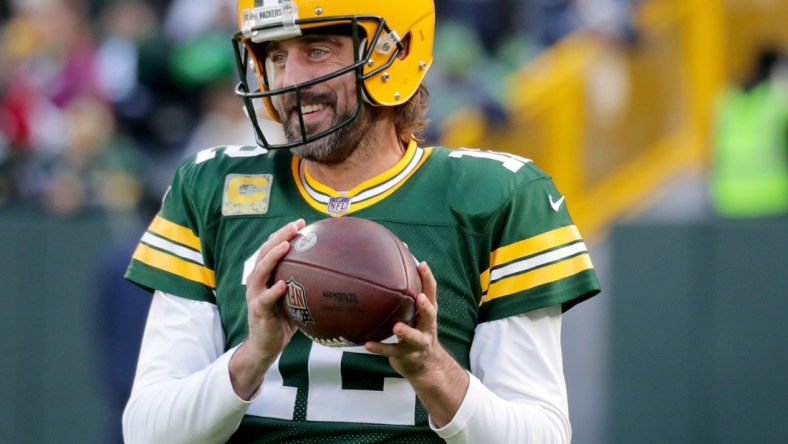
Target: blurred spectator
x=97, y=169
x=45, y=63
x=551, y=20
x=133, y=68
x=129, y=41
x=223, y=120
x=491, y=21
x=463, y=81
x=185, y=23
x=481, y=42
x=749, y=176
x=544, y=22
x=29, y=66
x=71, y=50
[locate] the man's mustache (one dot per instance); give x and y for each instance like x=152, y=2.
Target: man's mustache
x=290, y=104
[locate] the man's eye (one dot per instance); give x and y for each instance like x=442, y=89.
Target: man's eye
x=317, y=52
x=277, y=58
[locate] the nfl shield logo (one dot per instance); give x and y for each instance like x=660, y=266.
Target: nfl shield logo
x=338, y=205
x=295, y=299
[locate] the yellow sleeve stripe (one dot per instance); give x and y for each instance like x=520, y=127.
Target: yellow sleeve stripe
x=533, y=245
x=485, y=280
x=174, y=265
x=539, y=276
x=529, y=247
x=174, y=232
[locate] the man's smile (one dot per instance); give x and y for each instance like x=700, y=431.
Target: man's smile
x=313, y=113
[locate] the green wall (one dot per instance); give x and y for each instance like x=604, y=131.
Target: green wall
x=699, y=333
x=50, y=385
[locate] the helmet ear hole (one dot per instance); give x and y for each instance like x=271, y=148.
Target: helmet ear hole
x=405, y=47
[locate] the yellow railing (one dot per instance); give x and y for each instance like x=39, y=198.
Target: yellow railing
x=613, y=124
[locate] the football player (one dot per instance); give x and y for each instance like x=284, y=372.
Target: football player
x=219, y=361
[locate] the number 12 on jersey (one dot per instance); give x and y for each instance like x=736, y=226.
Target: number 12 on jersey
x=327, y=400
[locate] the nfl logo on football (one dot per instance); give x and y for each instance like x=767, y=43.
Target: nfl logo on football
x=296, y=302
x=338, y=205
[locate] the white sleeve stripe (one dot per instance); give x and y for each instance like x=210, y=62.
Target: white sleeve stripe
x=170, y=247
x=537, y=261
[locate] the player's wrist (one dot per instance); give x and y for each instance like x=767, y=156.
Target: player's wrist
x=441, y=387
x=247, y=369
x=440, y=372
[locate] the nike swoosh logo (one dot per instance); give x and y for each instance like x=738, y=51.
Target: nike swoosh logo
x=557, y=204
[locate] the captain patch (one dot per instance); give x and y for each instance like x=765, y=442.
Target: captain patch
x=246, y=194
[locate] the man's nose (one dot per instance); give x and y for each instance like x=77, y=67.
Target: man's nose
x=294, y=71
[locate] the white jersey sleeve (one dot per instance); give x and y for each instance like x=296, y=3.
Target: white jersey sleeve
x=517, y=392
x=182, y=391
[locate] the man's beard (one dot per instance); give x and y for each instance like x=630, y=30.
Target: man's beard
x=338, y=146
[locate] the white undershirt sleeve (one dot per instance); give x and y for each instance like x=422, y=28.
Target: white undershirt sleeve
x=517, y=392
x=182, y=391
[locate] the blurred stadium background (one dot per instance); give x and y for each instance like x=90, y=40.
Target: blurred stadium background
x=619, y=99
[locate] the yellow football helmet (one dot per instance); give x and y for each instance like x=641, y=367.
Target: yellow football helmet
x=379, y=28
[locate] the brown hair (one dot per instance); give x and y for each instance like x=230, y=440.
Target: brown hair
x=410, y=117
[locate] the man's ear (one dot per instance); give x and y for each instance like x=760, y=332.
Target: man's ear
x=405, y=47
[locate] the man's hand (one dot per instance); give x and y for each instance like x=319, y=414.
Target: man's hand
x=439, y=381
x=269, y=329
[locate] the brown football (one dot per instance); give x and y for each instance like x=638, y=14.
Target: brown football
x=349, y=280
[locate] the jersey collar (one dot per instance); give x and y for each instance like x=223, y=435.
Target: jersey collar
x=336, y=203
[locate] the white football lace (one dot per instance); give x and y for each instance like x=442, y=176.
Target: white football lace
x=333, y=342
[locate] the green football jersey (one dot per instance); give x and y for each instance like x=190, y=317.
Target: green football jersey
x=492, y=226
